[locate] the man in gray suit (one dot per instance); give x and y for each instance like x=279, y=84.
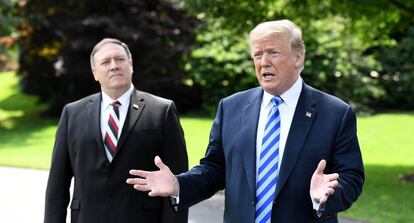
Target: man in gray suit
x=102, y=136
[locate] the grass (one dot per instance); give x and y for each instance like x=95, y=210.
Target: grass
x=25, y=139
x=386, y=141
x=387, y=145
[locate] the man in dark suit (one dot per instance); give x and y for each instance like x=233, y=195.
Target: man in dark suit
x=283, y=152
x=102, y=136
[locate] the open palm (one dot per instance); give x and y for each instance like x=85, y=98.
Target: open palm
x=322, y=185
x=159, y=183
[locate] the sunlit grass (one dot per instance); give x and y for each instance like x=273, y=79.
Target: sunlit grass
x=387, y=139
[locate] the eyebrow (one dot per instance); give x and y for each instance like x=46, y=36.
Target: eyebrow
x=109, y=57
x=266, y=49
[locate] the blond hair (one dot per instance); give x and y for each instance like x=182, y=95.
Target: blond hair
x=272, y=28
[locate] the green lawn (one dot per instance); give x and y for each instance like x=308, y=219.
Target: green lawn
x=386, y=141
x=387, y=144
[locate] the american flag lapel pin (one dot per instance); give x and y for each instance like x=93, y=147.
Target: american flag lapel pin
x=308, y=114
x=135, y=106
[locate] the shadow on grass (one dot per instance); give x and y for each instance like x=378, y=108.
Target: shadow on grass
x=21, y=102
x=23, y=128
x=22, y=119
x=385, y=198
x=392, y=112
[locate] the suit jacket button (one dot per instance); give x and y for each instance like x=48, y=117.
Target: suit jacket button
x=253, y=204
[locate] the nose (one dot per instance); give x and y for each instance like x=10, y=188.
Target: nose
x=264, y=60
x=113, y=65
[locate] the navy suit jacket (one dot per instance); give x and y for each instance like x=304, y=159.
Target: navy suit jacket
x=329, y=133
x=101, y=193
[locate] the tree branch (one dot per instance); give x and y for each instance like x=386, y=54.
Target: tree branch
x=402, y=7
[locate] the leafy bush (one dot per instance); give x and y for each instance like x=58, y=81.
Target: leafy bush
x=58, y=36
x=343, y=41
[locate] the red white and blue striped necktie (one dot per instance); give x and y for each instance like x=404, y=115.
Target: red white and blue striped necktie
x=112, y=130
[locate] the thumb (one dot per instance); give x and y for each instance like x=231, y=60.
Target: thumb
x=158, y=162
x=321, y=167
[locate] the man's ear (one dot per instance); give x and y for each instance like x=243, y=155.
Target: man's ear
x=93, y=73
x=299, y=57
x=132, y=65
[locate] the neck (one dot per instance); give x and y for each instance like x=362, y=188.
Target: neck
x=114, y=94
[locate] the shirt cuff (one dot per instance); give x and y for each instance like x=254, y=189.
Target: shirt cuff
x=175, y=200
x=318, y=207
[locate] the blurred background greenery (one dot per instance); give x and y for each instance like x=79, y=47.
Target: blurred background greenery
x=195, y=52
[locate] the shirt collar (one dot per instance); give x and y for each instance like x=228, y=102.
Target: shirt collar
x=123, y=99
x=290, y=97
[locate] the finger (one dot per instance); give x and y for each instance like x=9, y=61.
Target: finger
x=332, y=184
x=138, y=181
x=325, y=196
x=323, y=199
x=332, y=176
x=153, y=194
x=158, y=162
x=330, y=192
x=139, y=173
x=141, y=187
x=321, y=167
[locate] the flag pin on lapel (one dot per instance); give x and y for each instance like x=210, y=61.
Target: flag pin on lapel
x=308, y=114
x=135, y=106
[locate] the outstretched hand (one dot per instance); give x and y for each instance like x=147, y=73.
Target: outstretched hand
x=159, y=183
x=322, y=185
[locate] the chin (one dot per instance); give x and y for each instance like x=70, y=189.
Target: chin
x=118, y=86
x=270, y=89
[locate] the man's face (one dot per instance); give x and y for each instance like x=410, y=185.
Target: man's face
x=113, y=68
x=277, y=66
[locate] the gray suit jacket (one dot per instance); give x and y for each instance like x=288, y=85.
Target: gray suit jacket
x=101, y=194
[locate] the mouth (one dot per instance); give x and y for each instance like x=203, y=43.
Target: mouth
x=268, y=76
x=115, y=75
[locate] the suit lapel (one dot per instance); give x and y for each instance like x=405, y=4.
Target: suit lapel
x=302, y=121
x=250, y=117
x=94, y=113
x=136, y=106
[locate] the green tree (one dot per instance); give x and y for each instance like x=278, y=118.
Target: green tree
x=342, y=40
x=8, y=21
x=397, y=73
x=57, y=37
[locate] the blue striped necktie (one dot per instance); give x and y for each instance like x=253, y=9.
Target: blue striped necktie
x=268, y=164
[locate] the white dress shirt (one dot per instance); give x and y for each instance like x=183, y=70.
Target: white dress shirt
x=286, y=110
x=123, y=110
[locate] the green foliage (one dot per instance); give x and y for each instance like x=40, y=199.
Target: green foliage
x=397, y=74
x=221, y=66
x=8, y=20
x=335, y=63
x=342, y=40
x=58, y=36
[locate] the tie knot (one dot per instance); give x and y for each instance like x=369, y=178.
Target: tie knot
x=116, y=104
x=277, y=100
